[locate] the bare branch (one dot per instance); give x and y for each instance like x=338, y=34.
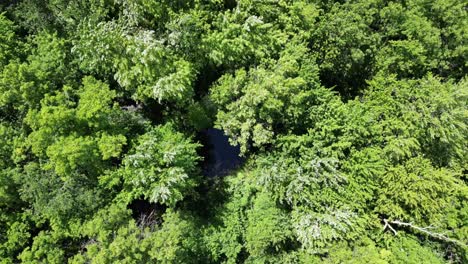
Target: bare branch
x=424, y=230
x=389, y=226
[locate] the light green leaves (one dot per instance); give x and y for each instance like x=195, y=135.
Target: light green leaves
x=268, y=227
x=77, y=130
x=273, y=98
x=69, y=154
x=111, y=146
x=351, y=117
x=94, y=103
x=162, y=166
x=418, y=192
x=138, y=60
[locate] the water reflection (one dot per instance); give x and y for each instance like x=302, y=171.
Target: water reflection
x=220, y=156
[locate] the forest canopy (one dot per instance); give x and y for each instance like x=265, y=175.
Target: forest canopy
x=350, y=118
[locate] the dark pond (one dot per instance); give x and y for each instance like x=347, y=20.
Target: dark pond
x=219, y=156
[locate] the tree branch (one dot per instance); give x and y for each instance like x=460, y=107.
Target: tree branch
x=389, y=226
x=424, y=230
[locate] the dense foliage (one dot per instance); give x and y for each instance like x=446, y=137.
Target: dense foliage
x=351, y=116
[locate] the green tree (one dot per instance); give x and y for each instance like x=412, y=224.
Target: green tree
x=162, y=167
x=270, y=99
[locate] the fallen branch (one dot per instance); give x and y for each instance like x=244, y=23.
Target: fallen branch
x=389, y=226
x=424, y=230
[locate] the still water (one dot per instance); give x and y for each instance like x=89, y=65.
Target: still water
x=220, y=156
